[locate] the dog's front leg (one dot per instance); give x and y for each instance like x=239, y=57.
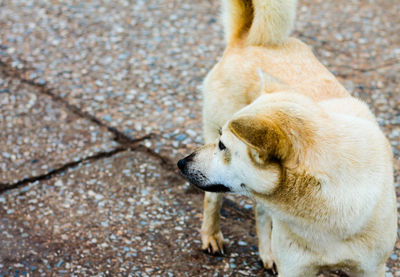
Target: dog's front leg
x=264, y=229
x=211, y=236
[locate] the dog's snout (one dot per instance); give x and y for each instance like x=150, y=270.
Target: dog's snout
x=182, y=164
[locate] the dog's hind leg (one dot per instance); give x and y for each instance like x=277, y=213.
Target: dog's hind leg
x=211, y=236
x=264, y=229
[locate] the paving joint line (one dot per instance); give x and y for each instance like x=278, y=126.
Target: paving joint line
x=164, y=162
x=7, y=186
x=119, y=137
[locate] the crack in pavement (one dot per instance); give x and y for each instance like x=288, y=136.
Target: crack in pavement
x=126, y=142
x=165, y=163
x=7, y=186
x=133, y=146
x=119, y=137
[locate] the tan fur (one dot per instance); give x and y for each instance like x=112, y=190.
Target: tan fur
x=310, y=155
x=227, y=157
x=263, y=135
x=237, y=18
x=259, y=22
x=269, y=83
x=298, y=194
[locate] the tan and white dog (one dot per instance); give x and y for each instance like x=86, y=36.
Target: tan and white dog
x=280, y=129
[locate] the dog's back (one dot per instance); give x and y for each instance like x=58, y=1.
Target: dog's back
x=257, y=37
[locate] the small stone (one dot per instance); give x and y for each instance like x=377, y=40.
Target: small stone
x=248, y=206
x=41, y=81
x=107, y=118
x=180, y=137
x=59, y=263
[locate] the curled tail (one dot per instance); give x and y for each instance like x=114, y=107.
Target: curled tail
x=258, y=22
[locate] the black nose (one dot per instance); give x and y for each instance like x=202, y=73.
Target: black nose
x=182, y=164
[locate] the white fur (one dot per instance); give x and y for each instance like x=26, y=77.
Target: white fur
x=351, y=159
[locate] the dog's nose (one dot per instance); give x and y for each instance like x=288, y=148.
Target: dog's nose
x=182, y=164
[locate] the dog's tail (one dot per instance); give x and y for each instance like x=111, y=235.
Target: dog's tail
x=258, y=22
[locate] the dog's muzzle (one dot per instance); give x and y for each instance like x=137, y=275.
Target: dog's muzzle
x=183, y=163
x=197, y=178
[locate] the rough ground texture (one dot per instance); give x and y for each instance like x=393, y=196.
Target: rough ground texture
x=99, y=99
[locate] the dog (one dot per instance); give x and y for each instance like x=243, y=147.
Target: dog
x=280, y=129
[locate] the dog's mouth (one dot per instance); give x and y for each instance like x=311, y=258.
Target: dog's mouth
x=213, y=188
x=201, y=183
x=199, y=180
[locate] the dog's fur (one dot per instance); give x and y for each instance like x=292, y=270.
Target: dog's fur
x=282, y=130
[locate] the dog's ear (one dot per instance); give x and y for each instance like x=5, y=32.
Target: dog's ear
x=263, y=135
x=269, y=83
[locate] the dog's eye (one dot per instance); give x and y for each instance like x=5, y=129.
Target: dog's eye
x=221, y=146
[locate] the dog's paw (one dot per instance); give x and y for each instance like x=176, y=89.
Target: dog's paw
x=212, y=243
x=269, y=264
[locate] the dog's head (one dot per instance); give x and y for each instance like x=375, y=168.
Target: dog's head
x=251, y=151
x=248, y=150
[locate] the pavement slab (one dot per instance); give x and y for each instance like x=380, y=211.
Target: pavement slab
x=135, y=67
x=351, y=36
x=39, y=135
x=118, y=216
